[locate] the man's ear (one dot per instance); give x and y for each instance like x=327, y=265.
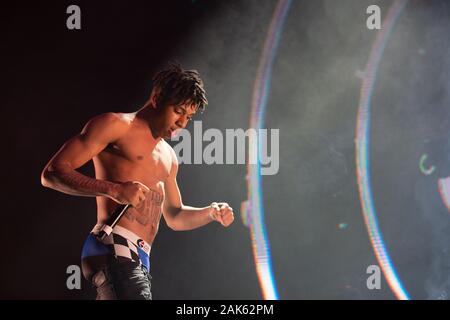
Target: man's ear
x=153, y=99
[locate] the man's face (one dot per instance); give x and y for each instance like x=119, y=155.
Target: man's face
x=175, y=118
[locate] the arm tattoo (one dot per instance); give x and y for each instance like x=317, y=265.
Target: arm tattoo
x=75, y=183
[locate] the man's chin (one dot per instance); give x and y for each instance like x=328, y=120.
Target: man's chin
x=170, y=134
x=167, y=135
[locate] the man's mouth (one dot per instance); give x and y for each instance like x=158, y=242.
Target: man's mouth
x=170, y=132
x=173, y=132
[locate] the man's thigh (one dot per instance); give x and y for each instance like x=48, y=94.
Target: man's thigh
x=123, y=281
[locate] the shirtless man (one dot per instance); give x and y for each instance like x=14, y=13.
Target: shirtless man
x=135, y=166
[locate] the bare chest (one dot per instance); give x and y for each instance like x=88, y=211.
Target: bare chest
x=137, y=155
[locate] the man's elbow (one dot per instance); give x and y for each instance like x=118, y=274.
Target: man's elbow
x=46, y=178
x=171, y=220
x=50, y=177
x=173, y=226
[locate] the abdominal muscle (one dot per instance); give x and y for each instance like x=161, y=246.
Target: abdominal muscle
x=142, y=220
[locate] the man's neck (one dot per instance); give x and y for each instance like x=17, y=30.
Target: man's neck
x=147, y=115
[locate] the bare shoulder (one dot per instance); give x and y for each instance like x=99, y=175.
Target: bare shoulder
x=126, y=118
x=111, y=124
x=113, y=118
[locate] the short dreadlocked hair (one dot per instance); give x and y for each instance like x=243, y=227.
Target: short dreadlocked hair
x=175, y=86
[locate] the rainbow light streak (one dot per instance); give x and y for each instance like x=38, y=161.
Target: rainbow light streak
x=253, y=209
x=362, y=149
x=444, y=191
x=425, y=171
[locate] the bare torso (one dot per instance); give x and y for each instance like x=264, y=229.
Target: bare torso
x=136, y=156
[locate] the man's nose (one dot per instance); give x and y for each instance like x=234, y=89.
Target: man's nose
x=182, y=122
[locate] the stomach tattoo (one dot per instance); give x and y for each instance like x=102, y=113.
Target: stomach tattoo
x=148, y=211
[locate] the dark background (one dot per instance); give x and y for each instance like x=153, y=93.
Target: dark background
x=55, y=79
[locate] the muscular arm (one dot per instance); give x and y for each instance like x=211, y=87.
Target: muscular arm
x=60, y=173
x=178, y=216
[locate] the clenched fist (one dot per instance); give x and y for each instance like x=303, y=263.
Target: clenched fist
x=131, y=192
x=222, y=212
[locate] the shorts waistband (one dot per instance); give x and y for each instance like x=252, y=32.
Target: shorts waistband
x=127, y=234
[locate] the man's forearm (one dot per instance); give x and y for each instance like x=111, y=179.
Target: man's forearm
x=188, y=218
x=75, y=183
